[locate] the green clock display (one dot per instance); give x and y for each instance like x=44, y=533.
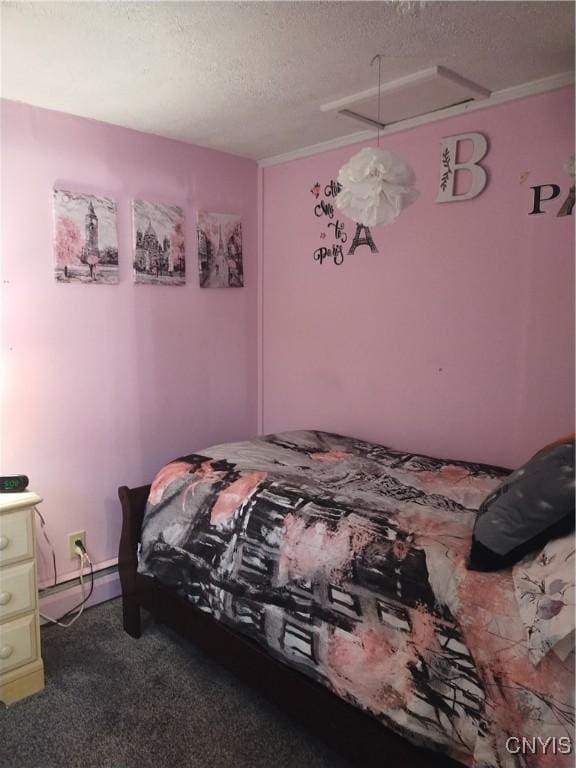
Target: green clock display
x=13, y=483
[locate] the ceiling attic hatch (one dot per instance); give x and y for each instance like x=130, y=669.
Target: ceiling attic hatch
x=417, y=94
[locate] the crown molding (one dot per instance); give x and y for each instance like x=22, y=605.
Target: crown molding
x=316, y=149
x=532, y=88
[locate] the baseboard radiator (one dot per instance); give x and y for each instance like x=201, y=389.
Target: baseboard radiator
x=56, y=600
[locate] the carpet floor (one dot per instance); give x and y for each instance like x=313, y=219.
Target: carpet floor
x=157, y=702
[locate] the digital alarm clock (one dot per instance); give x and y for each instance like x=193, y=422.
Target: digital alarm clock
x=13, y=483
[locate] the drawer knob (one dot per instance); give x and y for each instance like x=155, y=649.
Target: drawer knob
x=5, y=651
x=4, y=541
x=5, y=598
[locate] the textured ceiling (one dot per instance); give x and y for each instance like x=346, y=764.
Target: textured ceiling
x=249, y=78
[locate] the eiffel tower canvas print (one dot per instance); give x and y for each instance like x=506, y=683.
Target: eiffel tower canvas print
x=220, y=250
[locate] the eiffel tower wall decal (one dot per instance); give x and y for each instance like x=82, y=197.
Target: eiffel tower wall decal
x=362, y=236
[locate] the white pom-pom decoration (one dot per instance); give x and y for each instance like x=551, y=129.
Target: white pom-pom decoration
x=376, y=186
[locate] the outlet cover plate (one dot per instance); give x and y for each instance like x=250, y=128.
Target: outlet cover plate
x=72, y=537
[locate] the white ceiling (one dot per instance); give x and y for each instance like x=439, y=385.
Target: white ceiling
x=249, y=77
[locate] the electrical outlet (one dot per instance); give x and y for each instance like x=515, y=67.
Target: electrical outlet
x=72, y=538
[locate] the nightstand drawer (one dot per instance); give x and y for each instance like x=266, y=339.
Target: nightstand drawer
x=17, y=589
x=16, y=536
x=18, y=642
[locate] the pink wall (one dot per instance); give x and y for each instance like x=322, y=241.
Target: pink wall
x=456, y=339
x=103, y=384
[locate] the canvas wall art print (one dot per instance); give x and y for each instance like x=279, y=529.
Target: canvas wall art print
x=86, y=239
x=159, y=251
x=220, y=250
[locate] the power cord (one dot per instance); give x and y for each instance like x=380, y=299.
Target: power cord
x=84, y=600
x=43, y=526
x=81, y=551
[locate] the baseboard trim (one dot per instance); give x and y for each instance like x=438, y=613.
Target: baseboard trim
x=55, y=601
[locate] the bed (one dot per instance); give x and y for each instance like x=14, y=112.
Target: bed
x=331, y=573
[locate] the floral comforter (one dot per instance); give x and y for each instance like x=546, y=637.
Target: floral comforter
x=347, y=560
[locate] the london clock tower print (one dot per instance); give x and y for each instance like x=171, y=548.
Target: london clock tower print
x=85, y=240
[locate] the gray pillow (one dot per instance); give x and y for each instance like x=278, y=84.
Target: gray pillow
x=533, y=505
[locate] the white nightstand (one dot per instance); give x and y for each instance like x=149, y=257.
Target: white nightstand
x=21, y=668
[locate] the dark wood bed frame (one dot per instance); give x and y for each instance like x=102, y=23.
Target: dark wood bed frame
x=352, y=732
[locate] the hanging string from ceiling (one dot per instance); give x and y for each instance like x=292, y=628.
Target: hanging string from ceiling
x=376, y=184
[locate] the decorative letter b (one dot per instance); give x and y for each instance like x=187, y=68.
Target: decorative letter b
x=449, y=168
